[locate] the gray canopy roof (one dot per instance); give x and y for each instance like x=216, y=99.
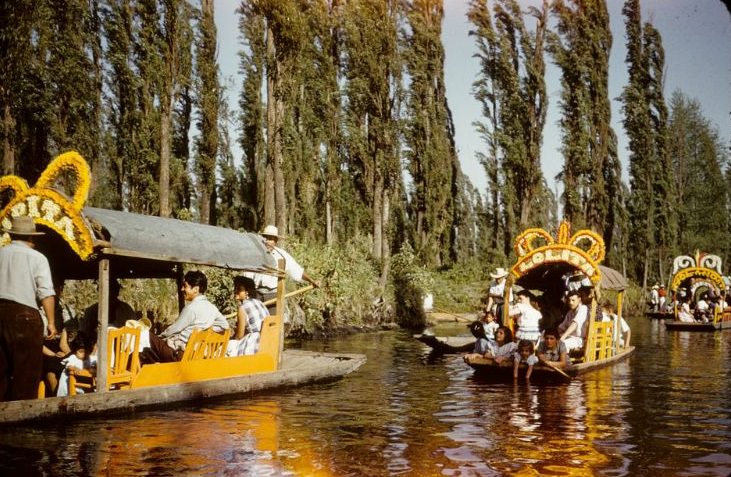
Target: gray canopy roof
x=144, y=246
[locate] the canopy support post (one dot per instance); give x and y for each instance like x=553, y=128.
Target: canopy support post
x=103, y=316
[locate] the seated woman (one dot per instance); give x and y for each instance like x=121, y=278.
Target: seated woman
x=249, y=317
x=552, y=351
x=684, y=313
x=500, y=350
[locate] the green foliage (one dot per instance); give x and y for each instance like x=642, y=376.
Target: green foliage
x=460, y=288
x=411, y=282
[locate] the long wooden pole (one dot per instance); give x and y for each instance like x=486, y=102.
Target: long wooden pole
x=453, y=314
x=555, y=368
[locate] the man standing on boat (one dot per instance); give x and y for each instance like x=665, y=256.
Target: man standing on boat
x=573, y=327
x=266, y=285
x=496, y=293
x=25, y=282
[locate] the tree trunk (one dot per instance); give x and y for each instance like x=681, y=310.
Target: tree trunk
x=8, y=147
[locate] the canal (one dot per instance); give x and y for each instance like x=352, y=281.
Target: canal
x=665, y=411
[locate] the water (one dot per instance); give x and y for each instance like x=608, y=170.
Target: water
x=665, y=411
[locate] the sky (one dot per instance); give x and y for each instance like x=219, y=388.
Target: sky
x=696, y=36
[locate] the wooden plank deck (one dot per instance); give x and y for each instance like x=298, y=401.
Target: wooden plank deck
x=299, y=367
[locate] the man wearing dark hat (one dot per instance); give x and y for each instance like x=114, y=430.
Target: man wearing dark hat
x=25, y=281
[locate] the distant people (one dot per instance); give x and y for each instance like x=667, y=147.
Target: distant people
x=119, y=313
x=552, y=351
x=496, y=293
x=663, y=298
x=266, y=285
x=57, y=348
x=250, y=314
x=25, y=283
x=527, y=317
x=574, y=326
x=622, y=331
x=480, y=329
x=702, y=309
x=198, y=313
x=684, y=313
x=524, y=354
x=654, y=298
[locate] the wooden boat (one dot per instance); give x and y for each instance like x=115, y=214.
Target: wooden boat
x=660, y=315
x=693, y=277
x=447, y=344
x=541, y=265
x=89, y=243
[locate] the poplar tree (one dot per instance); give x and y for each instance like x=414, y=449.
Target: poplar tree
x=207, y=102
x=372, y=71
x=581, y=50
x=429, y=134
x=512, y=91
x=652, y=218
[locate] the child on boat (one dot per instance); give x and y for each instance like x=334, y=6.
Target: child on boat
x=525, y=354
x=622, y=332
x=78, y=359
x=552, y=351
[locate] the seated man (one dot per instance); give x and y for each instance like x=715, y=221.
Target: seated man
x=573, y=327
x=198, y=313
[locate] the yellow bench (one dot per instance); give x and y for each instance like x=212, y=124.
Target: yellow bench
x=205, y=344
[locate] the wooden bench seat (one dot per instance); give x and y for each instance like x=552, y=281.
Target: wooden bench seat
x=206, y=344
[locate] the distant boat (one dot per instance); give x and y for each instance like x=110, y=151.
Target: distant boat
x=693, y=278
x=448, y=344
x=541, y=265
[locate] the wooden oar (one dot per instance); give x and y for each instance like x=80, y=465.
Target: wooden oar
x=557, y=369
x=453, y=314
x=274, y=300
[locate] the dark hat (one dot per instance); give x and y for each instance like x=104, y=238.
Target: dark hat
x=23, y=226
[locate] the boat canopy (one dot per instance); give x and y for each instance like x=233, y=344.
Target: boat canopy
x=136, y=245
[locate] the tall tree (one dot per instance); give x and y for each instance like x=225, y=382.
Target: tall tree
x=429, y=134
x=207, y=101
x=512, y=91
x=651, y=216
x=581, y=49
x=373, y=89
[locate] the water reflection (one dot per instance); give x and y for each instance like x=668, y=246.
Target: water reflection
x=406, y=412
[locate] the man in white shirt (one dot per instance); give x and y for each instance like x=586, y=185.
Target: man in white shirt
x=198, y=313
x=266, y=285
x=573, y=327
x=25, y=282
x=496, y=293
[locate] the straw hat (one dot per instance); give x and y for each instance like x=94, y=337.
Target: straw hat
x=271, y=231
x=500, y=272
x=22, y=226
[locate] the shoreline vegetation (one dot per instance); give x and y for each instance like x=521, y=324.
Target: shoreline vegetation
x=350, y=300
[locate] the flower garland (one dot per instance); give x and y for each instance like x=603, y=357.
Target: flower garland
x=50, y=207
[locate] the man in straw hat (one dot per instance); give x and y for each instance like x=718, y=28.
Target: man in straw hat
x=25, y=282
x=266, y=285
x=496, y=292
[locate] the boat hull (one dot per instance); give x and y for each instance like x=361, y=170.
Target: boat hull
x=487, y=369
x=299, y=367
x=448, y=344
x=659, y=315
x=685, y=326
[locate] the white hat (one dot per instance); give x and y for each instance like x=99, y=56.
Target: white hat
x=500, y=272
x=655, y=287
x=271, y=231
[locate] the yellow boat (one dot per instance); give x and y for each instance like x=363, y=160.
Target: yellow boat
x=693, y=277
x=89, y=243
x=541, y=266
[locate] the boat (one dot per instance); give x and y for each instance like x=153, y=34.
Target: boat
x=447, y=344
x=660, y=315
x=89, y=243
x=541, y=266
x=692, y=277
